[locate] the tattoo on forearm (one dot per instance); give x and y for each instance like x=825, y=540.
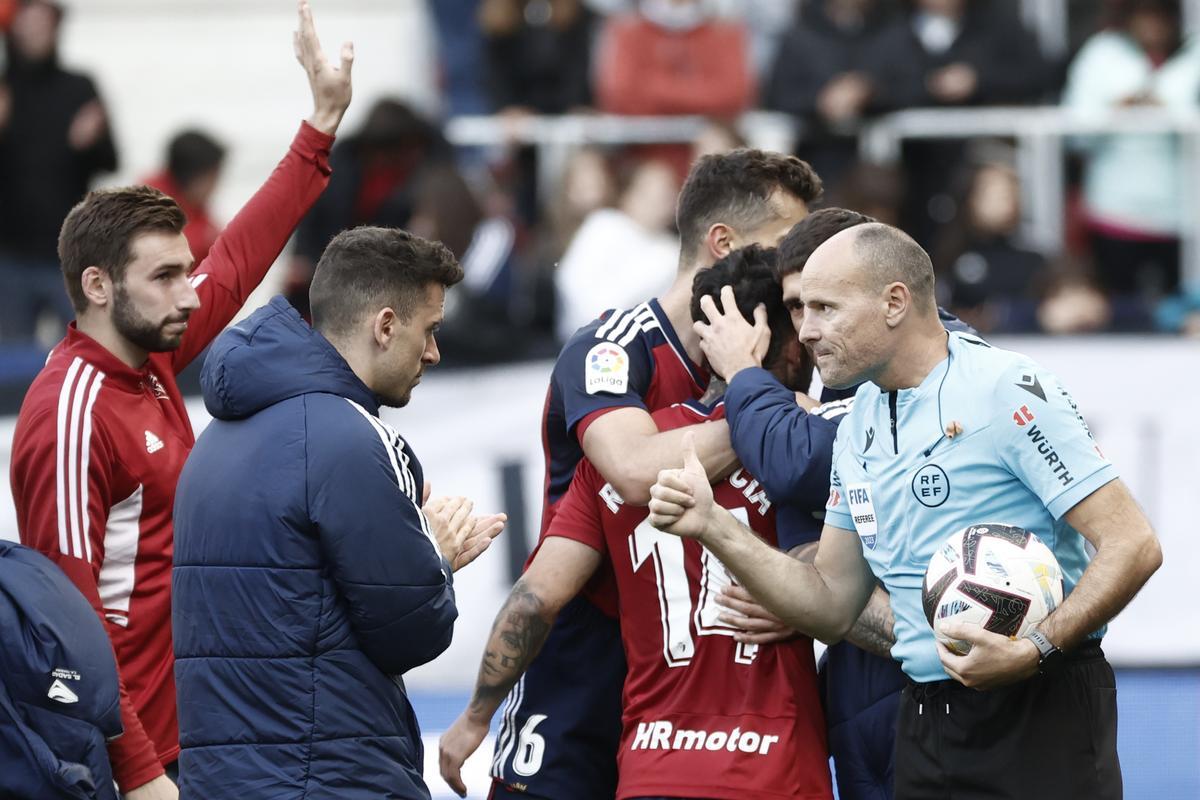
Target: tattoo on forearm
x=520, y=630
x=874, y=630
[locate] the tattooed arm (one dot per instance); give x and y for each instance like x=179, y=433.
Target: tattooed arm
x=558, y=572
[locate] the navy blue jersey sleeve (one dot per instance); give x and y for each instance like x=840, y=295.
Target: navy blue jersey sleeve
x=595, y=372
x=364, y=489
x=953, y=323
x=788, y=449
x=795, y=526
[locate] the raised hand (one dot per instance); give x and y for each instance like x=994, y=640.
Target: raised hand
x=87, y=126
x=331, y=88
x=682, y=500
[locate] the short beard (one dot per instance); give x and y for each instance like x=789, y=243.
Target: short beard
x=137, y=329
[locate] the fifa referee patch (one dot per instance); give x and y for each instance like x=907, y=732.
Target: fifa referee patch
x=862, y=511
x=606, y=369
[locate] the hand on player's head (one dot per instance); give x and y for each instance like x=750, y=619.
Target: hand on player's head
x=681, y=499
x=729, y=342
x=331, y=86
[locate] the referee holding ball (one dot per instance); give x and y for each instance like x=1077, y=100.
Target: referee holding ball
x=947, y=431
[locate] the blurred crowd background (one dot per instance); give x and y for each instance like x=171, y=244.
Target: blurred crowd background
x=561, y=131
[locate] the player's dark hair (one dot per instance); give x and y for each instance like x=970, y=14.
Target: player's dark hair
x=751, y=272
x=192, y=154
x=811, y=232
x=366, y=269
x=890, y=255
x=99, y=232
x=735, y=188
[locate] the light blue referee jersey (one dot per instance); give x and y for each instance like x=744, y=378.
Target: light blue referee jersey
x=1025, y=457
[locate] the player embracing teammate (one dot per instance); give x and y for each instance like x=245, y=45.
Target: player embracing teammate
x=562, y=722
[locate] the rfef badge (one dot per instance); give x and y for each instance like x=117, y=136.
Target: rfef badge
x=606, y=369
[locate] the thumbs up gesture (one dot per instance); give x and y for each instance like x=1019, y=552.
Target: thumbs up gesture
x=681, y=502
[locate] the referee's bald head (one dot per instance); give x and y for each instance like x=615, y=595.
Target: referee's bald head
x=874, y=256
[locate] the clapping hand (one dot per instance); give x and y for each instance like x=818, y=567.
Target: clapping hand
x=461, y=537
x=330, y=85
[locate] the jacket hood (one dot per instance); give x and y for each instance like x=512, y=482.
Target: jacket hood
x=272, y=356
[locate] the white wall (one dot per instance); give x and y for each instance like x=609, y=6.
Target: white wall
x=1136, y=394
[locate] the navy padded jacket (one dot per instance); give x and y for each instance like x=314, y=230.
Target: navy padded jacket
x=59, y=697
x=306, y=580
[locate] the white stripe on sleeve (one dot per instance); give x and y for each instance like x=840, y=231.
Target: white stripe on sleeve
x=60, y=482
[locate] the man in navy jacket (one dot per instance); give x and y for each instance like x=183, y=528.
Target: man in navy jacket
x=307, y=577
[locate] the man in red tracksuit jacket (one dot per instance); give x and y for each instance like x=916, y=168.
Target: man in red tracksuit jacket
x=103, y=432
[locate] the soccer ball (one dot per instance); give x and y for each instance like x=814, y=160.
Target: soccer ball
x=998, y=576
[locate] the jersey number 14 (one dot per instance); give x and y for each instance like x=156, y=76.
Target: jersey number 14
x=648, y=543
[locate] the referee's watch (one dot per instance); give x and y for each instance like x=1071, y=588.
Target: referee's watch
x=1049, y=656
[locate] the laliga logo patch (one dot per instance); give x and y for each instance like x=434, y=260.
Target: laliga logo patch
x=1023, y=416
x=835, y=499
x=606, y=369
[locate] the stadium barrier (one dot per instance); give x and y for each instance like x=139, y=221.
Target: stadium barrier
x=1041, y=133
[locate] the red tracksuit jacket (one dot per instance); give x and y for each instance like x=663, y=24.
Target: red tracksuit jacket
x=99, y=446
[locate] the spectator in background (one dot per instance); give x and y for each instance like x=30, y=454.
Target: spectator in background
x=461, y=68
x=972, y=52
x=673, y=57
x=1133, y=188
x=194, y=162
x=490, y=316
x=871, y=189
x=841, y=61
x=538, y=53
x=717, y=137
x=989, y=280
x=588, y=184
x=621, y=255
x=966, y=53
x=1073, y=303
x=54, y=138
x=372, y=184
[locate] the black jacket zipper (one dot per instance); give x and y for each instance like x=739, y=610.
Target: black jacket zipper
x=892, y=409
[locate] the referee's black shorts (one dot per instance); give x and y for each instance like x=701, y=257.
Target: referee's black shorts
x=1052, y=736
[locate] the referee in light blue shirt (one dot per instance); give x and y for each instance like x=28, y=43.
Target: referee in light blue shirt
x=947, y=432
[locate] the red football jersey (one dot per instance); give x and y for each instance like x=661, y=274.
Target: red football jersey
x=99, y=446
x=624, y=359
x=704, y=715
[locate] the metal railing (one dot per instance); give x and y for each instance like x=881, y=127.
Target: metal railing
x=1041, y=134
